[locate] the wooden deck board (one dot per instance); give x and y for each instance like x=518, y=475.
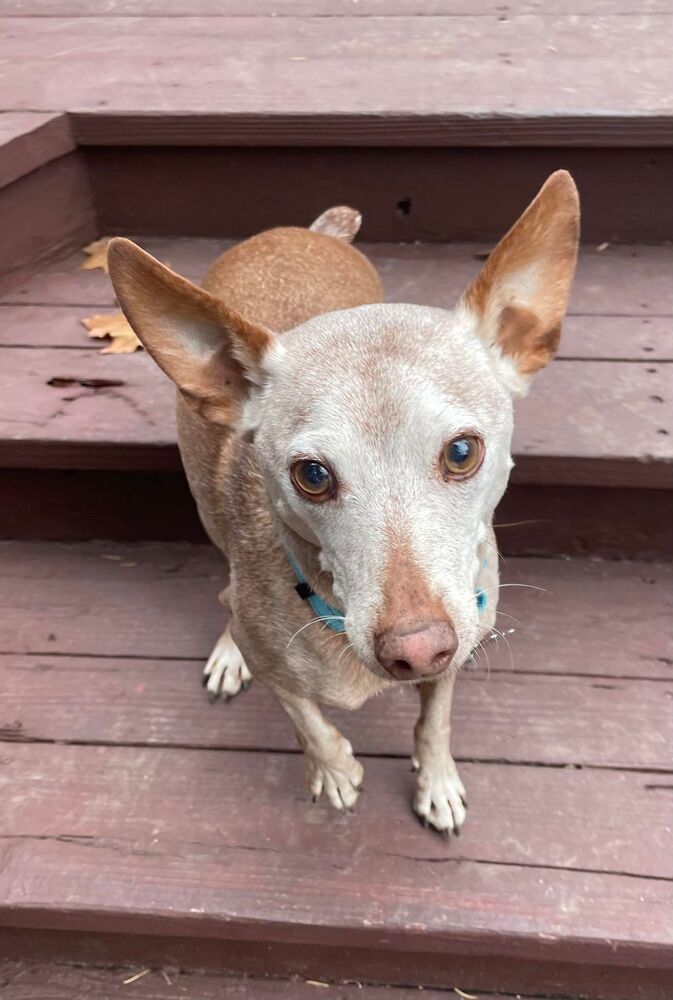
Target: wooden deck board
x=264, y=873
x=318, y=8
x=124, y=813
x=127, y=420
x=155, y=600
x=517, y=63
x=130, y=424
x=523, y=718
x=626, y=281
x=195, y=801
x=40, y=981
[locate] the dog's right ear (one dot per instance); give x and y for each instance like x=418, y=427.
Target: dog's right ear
x=211, y=352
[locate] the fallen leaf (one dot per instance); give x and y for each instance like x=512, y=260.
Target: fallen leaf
x=464, y=995
x=96, y=254
x=115, y=326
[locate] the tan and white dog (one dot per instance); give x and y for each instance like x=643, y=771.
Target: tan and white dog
x=349, y=469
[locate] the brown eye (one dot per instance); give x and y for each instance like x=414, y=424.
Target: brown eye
x=462, y=457
x=313, y=480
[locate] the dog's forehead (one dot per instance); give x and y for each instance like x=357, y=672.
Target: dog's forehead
x=380, y=365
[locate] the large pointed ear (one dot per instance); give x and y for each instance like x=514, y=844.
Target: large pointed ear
x=210, y=351
x=521, y=294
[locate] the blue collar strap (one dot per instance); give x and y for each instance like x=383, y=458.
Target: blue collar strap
x=334, y=618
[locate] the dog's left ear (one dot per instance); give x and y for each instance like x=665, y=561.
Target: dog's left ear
x=521, y=294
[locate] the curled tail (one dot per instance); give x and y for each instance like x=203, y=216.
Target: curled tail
x=340, y=221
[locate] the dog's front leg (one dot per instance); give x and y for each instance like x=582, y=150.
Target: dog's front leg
x=330, y=764
x=440, y=794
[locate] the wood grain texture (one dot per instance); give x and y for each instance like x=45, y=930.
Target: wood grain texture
x=620, y=281
x=127, y=420
x=590, y=338
x=167, y=802
x=318, y=8
x=255, y=877
x=235, y=64
x=405, y=194
x=516, y=718
x=32, y=981
x=90, y=596
x=28, y=140
x=47, y=212
x=566, y=131
x=532, y=520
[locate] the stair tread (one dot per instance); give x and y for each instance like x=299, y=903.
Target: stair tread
x=139, y=812
x=528, y=63
x=42, y=981
x=613, y=371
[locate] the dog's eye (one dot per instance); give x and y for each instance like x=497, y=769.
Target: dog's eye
x=313, y=480
x=462, y=457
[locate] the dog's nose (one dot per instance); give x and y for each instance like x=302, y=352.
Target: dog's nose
x=420, y=650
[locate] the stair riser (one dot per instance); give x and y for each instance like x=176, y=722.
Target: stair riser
x=128, y=506
x=515, y=974
x=405, y=194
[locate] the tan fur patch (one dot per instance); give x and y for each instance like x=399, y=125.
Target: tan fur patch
x=283, y=277
x=521, y=294
x=407, y=598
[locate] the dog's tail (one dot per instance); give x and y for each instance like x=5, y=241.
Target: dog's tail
x=340, y=221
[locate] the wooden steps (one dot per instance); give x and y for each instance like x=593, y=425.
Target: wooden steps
x=128, y=796
x=64, y=406
x=141, y=828
x=41, y=981
x=127, y=421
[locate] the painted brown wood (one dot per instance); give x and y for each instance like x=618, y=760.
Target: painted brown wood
x=28, y=140
x=324, y=8
x=108, y=847
x=163, y=803
x=621, y=281
x=516, y=63
x=536, y=520
x=516, y=718
x=405, y=194
x=605, y=338
x=83, y=409
x=564, y=131
x=32, y=981
x=607, y=982
x=47, y=212
x=159, y=600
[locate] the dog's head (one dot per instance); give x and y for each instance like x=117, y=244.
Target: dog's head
x=382, y=432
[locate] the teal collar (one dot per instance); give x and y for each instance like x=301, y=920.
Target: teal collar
x=334, y=618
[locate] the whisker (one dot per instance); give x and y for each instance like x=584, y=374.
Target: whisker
x=509, y=647
x=516, y=524
x=314, y=621
x=505, y=615
x=530, y=586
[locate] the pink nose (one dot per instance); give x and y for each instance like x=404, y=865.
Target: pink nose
x=421, y=650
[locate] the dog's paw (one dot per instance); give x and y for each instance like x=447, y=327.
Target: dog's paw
x=340, y=778
x=440, y=799
x=225, y=672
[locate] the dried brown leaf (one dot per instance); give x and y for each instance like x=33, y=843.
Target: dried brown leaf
x=115, y=326
x=96, y=254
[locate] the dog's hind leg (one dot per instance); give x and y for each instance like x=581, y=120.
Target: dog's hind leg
x=225, y=672
x=440, y=794
x=330, y=764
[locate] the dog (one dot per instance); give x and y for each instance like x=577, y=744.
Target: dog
x=347, y=456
